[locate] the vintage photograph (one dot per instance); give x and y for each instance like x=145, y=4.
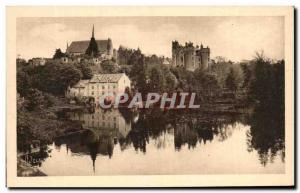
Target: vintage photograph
x=150, y=95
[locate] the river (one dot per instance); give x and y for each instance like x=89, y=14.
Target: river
x=154, y=142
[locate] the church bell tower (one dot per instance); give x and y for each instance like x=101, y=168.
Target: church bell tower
x=92, y=49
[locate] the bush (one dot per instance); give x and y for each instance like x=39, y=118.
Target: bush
x=35, y=100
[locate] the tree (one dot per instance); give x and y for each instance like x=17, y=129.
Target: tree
x=221, y=68
x=92, y=49
x=108, y=66
x=24, y=80
x=139, y=75
x=135, y=57
x=58, y=54
x=231, y=82
x=35, y=100
x=170, y=80
x=55, y=78
x=86, y=71
x=205, y=84
x=157, y=80
x=154, y=60
x=247, y=74
x=124, y=55
x=184, y=77
x=278, y=92
x=138, y=67
x=267, y=84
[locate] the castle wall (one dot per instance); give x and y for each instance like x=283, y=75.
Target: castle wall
x=190, y=57
x=189, y=62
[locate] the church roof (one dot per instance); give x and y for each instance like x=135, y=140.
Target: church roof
x=81, y=46
x=111, y=78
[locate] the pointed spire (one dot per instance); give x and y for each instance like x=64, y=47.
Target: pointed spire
x=94, y=166
x=93, y=32
x=67, y=46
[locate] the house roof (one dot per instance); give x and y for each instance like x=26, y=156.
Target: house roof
x=110, y=78
x=81, y=46
x=81, y=84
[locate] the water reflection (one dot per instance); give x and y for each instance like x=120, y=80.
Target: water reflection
x=266, y=134
x=200, y=138
x=104, y=129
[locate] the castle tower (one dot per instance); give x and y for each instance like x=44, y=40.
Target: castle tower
x=177, y=54
x=205, y=57
x=109, y=48
x=175, y=46
x=189, y=56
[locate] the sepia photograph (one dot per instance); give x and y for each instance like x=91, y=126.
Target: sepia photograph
x=150, y=94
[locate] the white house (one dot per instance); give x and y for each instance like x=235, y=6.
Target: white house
x=37, y=61
x=99, y=85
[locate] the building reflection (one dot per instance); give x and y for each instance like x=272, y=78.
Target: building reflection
x=102, y=131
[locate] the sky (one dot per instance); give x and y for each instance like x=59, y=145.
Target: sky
x=235, y=38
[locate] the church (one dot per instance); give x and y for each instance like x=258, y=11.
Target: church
x=92, y=47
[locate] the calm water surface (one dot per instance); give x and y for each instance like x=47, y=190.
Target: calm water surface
x=156, y=142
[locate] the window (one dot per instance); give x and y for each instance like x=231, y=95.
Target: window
x=114, y=86
x=103, y=87
x=115, y=118
x=92, y=87
x=108, y=86
x=92, y=93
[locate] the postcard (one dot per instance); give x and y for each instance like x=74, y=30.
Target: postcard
x=150, y=96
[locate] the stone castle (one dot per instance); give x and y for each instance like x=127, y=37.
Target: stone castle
x=189, y=56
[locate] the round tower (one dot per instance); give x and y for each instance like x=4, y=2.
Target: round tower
x=205, y=57
x=189, y=58
x=109, y=47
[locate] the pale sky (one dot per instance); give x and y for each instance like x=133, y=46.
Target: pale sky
x=235, y=38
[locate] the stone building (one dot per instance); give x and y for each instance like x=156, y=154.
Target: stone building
x=37, y=61
x=189, y=56
x=99, y=85
x=96, y=48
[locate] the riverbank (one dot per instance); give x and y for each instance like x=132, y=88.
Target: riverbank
x=25, y=169
x=38, y=128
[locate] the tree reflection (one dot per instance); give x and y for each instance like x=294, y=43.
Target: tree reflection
x=267, y=134
x=190, y=129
